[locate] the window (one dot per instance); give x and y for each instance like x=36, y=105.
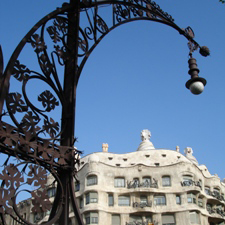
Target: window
x=200, y=202
x=88, y=219
x=178, y=199
x=146, y=181
x=38, y=216
x=91, y=218
x=51, y=192
x=124, y=200
x=166, y=181
x=143, y=199
x=159, y=200
x=136, y=182
x=187, y=178
x=92, y=180
x=110, y=200
x=81, y=202
x=135, y=218
x=209, y=208
x=222, y=223
x=220, y=209
x=216, y=191
x=87, y=198
x=77, y=186
x=94, y=218
x=115, y=219
x=207, y=190
x=194, y=218
x=191, y=198
x=91, y=197
x=148, y=219
x=168, y=219
x=200, y=183
x=119, y=182
x=70, y=206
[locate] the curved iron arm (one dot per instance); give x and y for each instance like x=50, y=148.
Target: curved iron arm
x=88, y=39
x=123, y=12
x=133, y=11
x=38, y=139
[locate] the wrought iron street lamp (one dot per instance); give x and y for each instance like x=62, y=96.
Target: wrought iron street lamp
x=41, y=144
x=196, y=84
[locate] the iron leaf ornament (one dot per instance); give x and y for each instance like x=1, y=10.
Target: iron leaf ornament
x=16, y=103
x=20, y=72
x=48, y=101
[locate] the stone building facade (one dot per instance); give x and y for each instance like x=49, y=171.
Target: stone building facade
x=158, y=186
x=148, y=186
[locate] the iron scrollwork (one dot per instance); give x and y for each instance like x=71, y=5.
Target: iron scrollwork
x=33, y=143
x=146, y=184
x=142, y=223
x=144, y=9
x=216, y=195
x=191, y=183
x=142, y=204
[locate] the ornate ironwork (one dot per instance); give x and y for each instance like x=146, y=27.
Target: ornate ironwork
x=40, y=142
x=191, y=183
x=142, y=223
x=142, y=204
x=145, y=184
x=215, y=210
x=216, y=195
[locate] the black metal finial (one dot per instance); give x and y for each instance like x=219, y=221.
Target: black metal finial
x=204, y=51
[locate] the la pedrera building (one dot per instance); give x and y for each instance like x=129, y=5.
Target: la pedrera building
x=148, y=186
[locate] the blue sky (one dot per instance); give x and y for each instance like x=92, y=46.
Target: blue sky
x=135, y=79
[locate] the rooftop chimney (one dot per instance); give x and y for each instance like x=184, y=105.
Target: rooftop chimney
x=105, y=147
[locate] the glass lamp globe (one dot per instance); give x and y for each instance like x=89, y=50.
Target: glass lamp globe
x=196, y=87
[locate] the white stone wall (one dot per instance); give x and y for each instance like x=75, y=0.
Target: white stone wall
x=155, y=163
x=107, y=166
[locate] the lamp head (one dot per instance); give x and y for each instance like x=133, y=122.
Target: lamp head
x=196, y=85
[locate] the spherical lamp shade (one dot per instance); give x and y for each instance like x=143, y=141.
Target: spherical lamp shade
x=196, y=85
